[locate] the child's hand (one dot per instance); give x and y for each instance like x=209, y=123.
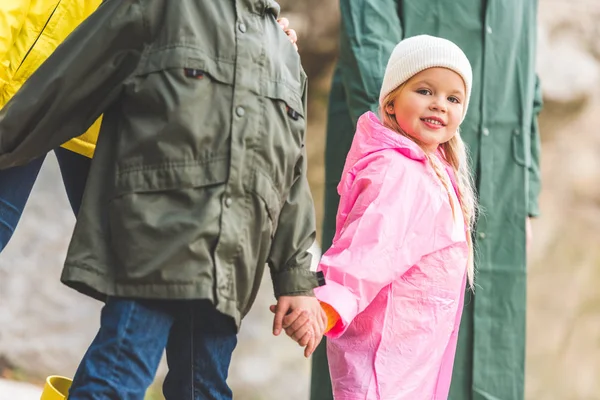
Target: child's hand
x=303, y=320
x=285, y=25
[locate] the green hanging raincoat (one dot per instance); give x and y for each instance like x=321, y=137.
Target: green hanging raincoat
x=499, y=37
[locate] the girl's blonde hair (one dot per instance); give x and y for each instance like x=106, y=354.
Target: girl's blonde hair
x=455, y=154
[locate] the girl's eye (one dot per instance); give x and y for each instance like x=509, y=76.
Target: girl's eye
x=453, y=99
x=424, y=91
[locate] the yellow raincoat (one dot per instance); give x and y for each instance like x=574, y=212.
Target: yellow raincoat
x=30, y=30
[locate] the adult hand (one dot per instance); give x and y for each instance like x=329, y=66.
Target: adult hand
x=302, y=319
x=285, y=25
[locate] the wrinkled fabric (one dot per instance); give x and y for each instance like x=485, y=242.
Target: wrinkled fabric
x=199, y=177
x=395, y=272
x=30, y=30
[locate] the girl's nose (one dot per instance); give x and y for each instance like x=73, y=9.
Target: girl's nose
x=437, y=105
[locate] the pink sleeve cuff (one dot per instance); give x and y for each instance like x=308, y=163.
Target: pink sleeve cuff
x=343, y=301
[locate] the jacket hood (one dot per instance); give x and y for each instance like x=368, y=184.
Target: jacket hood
x=371, y=136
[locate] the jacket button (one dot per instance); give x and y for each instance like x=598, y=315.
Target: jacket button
x=485, y=131
x=516, y=131
x=489, y=30
x=242, y=27
x=240, y=111
x=481, y=235
x=228, y=202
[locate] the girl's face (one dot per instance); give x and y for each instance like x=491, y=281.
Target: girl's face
x=429, y=107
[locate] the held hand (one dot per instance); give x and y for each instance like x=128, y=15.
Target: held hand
x=302, y=319
x=285, y=25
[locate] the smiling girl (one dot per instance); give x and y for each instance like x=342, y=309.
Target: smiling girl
x=402, y=251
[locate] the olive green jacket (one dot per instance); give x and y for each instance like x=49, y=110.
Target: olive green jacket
x=501, y=131
x=199, y=177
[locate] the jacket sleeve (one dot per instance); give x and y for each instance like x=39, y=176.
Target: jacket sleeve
x=386, y=232
x=370, y=29
x=75, y=84
x=12, y=17
x=535, y=143
x=289, y=259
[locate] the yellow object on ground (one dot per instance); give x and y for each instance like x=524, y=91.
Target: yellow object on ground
x=56, y=388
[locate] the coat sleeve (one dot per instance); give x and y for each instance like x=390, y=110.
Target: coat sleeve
x=289, y=259
x=73, y=87
x=534, y=169
x=370, y=30
x=12, y=17
x=386, y=231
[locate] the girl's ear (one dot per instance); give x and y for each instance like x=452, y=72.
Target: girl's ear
x=389, y=108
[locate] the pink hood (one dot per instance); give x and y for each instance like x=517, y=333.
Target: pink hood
x=371, y=137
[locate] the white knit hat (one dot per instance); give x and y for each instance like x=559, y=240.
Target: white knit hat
x=418, y=53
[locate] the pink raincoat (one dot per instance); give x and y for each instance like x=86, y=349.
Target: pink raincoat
x=395, y=273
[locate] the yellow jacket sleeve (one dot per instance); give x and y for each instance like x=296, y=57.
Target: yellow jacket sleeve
x=12, y=18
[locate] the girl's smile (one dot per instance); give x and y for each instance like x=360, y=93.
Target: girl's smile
x=433, y=122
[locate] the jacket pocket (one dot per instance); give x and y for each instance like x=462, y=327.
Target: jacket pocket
x=288, y=93
x=284, y=127
x=177, y=57
x=176, y=110
x=520, y=147
x=163, y=223
x=171, y=176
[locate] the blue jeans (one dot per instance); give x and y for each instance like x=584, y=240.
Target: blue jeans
x=16, y=185
x=122, y=360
